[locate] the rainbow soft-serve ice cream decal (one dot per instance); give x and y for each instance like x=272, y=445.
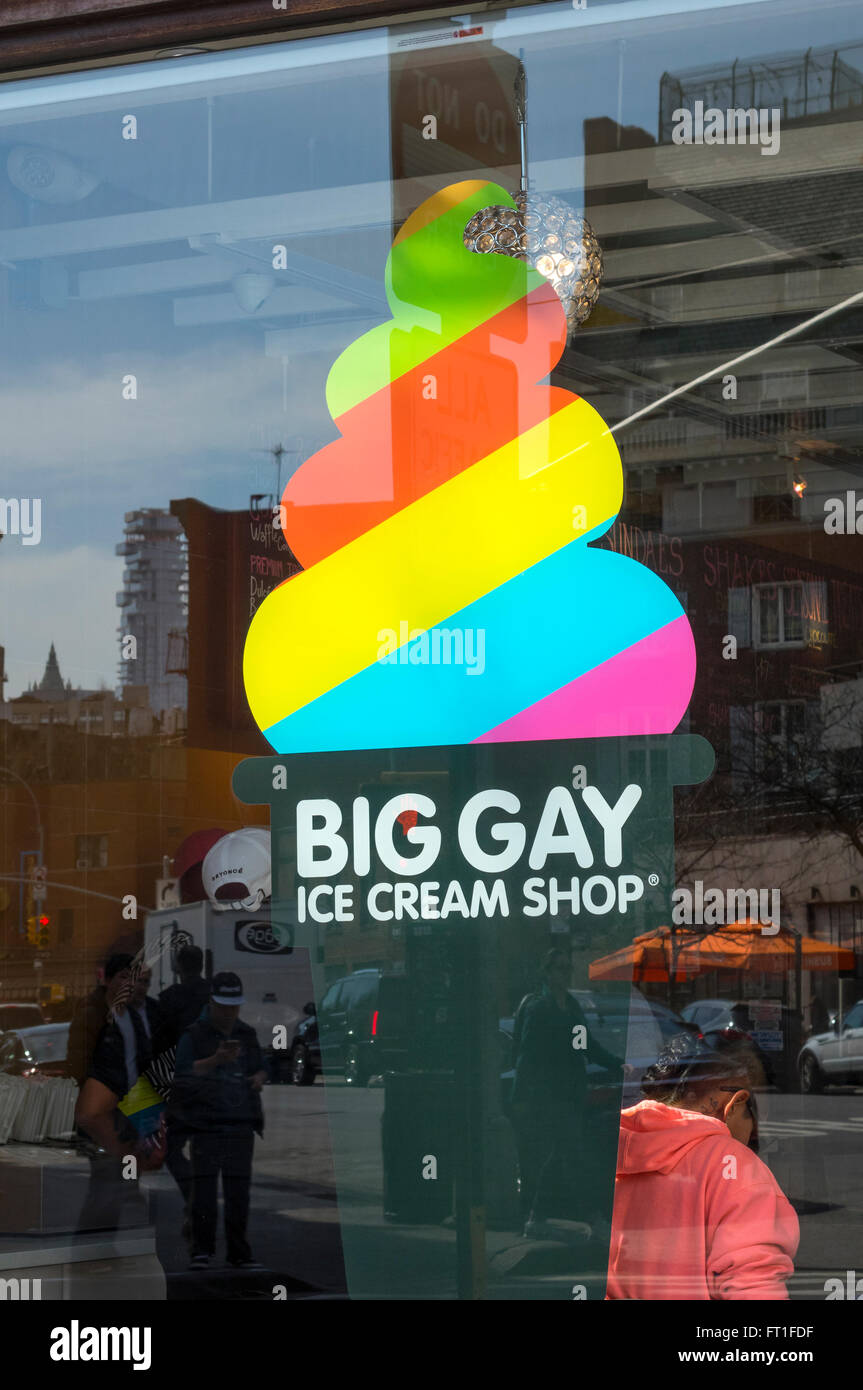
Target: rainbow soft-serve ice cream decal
x=462, y=497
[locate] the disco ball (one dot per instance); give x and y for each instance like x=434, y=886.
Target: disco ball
x=545, y=232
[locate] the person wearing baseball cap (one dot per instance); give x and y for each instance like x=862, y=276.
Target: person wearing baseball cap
x=217, y=1086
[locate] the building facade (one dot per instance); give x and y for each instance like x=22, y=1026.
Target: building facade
x=153, y=607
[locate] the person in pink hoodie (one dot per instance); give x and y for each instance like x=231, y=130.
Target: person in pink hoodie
x=697, y=1214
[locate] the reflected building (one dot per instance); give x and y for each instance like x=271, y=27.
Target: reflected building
x=734, y=469
x=53, y=701
x=153, y=607
x=235, y=558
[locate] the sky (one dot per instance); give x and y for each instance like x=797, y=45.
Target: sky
x=210, y=400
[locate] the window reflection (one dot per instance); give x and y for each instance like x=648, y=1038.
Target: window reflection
x=172, y=304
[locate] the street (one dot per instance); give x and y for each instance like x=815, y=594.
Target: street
x=814, y=1144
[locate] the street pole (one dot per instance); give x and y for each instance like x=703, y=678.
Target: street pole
x=29, y=790
x=793, y=1045
x=798, y=977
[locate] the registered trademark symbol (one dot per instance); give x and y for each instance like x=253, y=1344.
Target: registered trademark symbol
x=653, y=880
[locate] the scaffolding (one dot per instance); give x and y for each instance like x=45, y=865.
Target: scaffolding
x=798, y=85
x=154, y=605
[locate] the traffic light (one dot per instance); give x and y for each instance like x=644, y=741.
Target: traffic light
x=43, y=933
x=32, y=929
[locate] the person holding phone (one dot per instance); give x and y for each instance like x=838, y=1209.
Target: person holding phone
x=112, y=1125
x=216, y=1095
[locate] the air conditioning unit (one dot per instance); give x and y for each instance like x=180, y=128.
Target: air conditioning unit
x=81, y=864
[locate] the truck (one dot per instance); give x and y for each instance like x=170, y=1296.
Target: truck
x=277, y=981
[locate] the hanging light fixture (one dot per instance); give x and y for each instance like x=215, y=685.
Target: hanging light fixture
x=544, y=231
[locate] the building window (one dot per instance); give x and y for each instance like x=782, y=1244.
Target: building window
x=839, y=923
x=91, y=851
x=773, y=501
x=780, y=732
x=777, y=614
x=712, y=505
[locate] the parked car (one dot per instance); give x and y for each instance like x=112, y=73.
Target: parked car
x=834, y=1058
x=723, y=1021
x=304, y=1058
x=633, y=1028
x=638, y=1033
x=345, y=1037
x=20, y=1015
x=25, y=1051
x=358, y=1029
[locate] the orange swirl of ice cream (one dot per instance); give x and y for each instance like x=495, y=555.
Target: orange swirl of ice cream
x=461, y=499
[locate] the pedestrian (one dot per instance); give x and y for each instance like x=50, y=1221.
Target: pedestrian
x=129, y=1040
x=89, y=1018
x=140, y=1021
x=561, y=1168
x=217, y=1086
x=819, y=1018
x=182, y=1005
x=697, y=1215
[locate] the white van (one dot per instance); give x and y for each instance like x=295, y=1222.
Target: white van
x=277, y=980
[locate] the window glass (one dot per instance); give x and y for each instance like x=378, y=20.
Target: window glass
x=855, y=1018
x=350, y=994
x=363, y=989
x=334, y=998
x=400, y=576
x=46, y=1044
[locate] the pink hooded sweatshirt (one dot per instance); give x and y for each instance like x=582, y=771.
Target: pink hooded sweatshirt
x=697, y=1215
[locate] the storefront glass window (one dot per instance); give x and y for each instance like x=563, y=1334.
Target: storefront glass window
x=435, y=621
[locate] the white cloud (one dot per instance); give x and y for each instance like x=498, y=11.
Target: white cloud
x=69, y=425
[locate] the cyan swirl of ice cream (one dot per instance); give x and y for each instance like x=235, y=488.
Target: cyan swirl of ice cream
x=453, y=516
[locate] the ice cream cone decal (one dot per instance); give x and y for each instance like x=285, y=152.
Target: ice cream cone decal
x=450, y=593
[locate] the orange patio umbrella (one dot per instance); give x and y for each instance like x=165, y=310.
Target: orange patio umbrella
x=646, y=959
x=742, y=945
